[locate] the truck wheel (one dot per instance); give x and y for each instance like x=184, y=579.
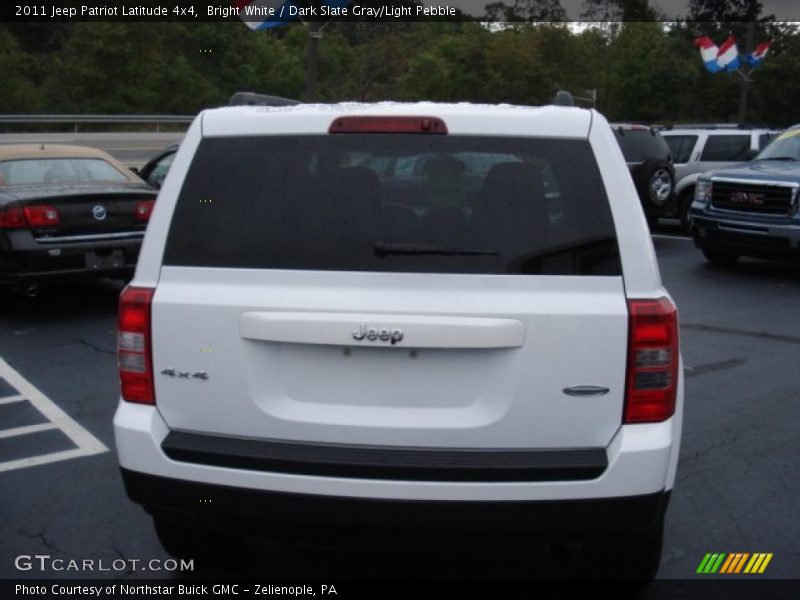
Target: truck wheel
x=684, y=203
x=655, y=184
x=720, y=258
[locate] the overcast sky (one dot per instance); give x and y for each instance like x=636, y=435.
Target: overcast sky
x=784, y=10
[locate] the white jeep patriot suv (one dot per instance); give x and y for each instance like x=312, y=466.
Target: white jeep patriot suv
x=401, y=317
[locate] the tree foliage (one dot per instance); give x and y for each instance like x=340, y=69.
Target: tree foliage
x=640, y=70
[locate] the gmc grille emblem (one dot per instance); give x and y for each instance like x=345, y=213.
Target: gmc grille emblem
x=374, y=334
x=748, y=198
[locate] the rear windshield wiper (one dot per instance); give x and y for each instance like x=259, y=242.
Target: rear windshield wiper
x=384, y=249
x=779, y=158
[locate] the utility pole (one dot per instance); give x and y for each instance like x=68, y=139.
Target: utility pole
x=312, y=58
x=749, y=46
x=744, y=84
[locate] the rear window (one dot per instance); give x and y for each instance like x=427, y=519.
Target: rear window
x=641, y=144
x=58, y=170
x=395, y=203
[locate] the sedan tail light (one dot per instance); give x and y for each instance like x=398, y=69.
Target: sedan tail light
x=134, y=345
x=12, y=217
x=37, y=215
x=42, y=215
x=143, y=209
x=652, y=379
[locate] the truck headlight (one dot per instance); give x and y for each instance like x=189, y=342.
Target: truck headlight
x=702, y=192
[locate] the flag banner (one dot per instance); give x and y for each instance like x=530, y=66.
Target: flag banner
x=756, y=57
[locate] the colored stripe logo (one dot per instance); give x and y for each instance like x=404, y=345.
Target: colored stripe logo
x=734, y=563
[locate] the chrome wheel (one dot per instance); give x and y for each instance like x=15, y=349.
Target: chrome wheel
x=660, y=186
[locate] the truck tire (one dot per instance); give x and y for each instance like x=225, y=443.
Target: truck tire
x=684, y=203
x=655, y=184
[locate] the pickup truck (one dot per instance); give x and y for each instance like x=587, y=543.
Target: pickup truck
x=751, y=210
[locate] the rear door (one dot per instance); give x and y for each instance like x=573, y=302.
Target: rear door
x=308, y=297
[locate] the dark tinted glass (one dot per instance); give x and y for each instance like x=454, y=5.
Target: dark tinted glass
x=764, y=139
x=639, y=145
x=726, y=148
x=396, y=203
x=681, y=147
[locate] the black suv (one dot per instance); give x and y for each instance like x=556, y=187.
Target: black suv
x=650, y=163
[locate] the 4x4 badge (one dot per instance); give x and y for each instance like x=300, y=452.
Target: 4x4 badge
x=372, y=334
x=185, y=374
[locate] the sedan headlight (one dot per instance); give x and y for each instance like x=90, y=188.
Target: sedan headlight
x=702, y=192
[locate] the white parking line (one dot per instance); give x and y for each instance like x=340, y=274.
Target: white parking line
x=87, y=444
x=6, y=433
x=11, y=399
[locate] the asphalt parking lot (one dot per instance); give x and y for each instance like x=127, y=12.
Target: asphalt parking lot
x=737, y=483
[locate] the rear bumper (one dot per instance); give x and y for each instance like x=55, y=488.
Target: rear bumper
x=26, y=261
x=319, y=516
x=641, y=460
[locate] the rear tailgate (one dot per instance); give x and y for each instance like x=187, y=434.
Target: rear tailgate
x=306, y=297
x=460, y=377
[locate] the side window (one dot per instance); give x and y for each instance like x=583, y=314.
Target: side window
x=159, y=172
x=721, y=148
x=681, y=147
x=764, y=139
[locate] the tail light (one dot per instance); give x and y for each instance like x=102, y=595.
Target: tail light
x=134, y=349
x=388, y=125
x=12, y=218
x=41, y=215
x=652, y=379
x=143, y=209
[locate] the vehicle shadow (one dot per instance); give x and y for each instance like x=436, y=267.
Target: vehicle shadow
x=286, y=560
x=753, y=269
x=66, y=299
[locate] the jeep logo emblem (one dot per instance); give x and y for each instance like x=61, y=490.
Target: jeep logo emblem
x=373, y=334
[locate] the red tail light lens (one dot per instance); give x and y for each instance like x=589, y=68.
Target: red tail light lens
x=42, y=216
x=143, y=209
x=12, y=218
x=17, y=217
x=388, y=125
x=652, y=379
x=134, y=351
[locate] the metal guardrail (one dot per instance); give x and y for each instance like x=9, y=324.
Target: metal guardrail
x=76, y=120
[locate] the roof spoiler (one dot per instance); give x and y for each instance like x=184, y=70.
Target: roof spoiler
x=254, y=99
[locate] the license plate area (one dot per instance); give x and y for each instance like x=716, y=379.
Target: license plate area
x=108, y=259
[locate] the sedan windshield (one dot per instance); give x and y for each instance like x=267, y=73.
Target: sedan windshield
x=785, y=147
x=58, y=170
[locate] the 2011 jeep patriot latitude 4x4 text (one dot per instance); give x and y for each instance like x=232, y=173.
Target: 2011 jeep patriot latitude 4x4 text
x=397, y=317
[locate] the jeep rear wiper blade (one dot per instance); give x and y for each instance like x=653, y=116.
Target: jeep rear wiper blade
x=779, y=158
x=384, y=249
